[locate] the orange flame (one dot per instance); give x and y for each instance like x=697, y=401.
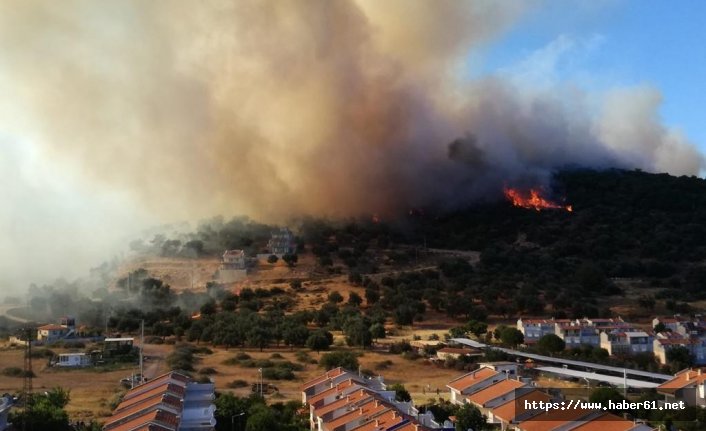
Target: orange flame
x=533, y=201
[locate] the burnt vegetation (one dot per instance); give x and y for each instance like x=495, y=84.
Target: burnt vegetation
x=626, y=225
x=492, y=259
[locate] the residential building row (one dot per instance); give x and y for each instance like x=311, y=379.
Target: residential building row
x=342, y=400
x=680, y=331
x=170, y=402
x=504, y=398
x=619, y=337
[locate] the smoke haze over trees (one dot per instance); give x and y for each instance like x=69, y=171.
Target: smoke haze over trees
x=181, y=111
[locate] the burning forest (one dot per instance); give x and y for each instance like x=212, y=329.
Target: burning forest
x=533, y=199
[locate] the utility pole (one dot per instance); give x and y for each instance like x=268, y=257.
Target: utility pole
x=261, y=383
x=142, y=347
x=625, y=382
x=28, y=375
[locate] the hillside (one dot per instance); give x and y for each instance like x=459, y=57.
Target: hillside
x=633, y=244
x=627, y=228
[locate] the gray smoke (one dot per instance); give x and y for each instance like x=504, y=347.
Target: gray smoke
x=279, y=108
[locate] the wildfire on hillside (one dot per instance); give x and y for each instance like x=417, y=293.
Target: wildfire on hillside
x=533, y=200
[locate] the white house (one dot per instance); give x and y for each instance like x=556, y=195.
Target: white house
x=234, y=259
x=73, y=360
x=534, y=329
x=233, y=267
x=51, y=332
x=577, y=333
x=626, y=342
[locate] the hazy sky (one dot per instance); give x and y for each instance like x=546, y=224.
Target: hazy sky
x=119, y=115
x=608, y=43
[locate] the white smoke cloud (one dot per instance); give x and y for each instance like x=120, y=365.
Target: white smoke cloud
x=276, y=108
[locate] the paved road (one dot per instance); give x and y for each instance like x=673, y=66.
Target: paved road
x=4, y=308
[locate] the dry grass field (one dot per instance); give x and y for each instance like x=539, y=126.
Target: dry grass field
x=92, y=391
x=415, y=375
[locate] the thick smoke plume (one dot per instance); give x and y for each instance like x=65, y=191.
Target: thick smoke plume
x=277, y=108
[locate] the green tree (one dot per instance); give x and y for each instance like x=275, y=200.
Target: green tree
x=550, y=343
x=377, y=330
x=404, y=314
x=354, y=299
x=457, y=332
x=295, y=334
x=679, y=358
x=660, y=327
x=335, y=297
x=469, y=417
x=47, y=412
x=371, y=296
x=603, y=395
x=230, y=409
x=319, y=340
x=477, y=328
x=259, y=336
x=261, y=418
x=209, y=308
x=343, y=359
x=272, y=259
x=510, y=336
x=357, y=332
x=401, y=393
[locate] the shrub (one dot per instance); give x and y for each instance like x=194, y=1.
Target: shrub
x=201, y=350
x=182, y=358
x=235, y=384
x=400, y=347
x=16, y=372
x=208, y=371
x=277, y=373
x=339, y=359
x=383, y=365
x=154, y=340
x=368, y=372
x=302, y=356
x=74, y=345
x=242, y=356
x=257, y=363
x=231, y=361
x=411, y=355
x=42, y=353
x=276, y=356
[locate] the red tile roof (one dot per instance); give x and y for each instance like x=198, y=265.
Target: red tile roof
x=351, y=398
x=510, y=410
x=547, y=421
x=382, y=421
x=153, y=406
x=493, y=391
x=314, y=399
x=327, y=375
x=606, y=422
x=472, y=378
x=52, y=327
x=360, y=413
x=684, y=378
